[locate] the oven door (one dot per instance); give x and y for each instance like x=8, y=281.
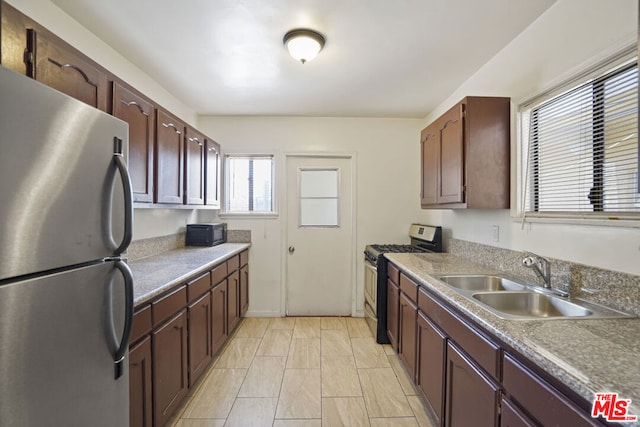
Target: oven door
x=370, y=284
x=370, y=295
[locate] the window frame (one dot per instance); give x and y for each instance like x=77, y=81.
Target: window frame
x=595, y=72
x=224, y=212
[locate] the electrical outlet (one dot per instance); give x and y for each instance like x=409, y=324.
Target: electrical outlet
x=495, y=233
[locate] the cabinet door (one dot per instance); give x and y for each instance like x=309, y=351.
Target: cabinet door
x=194, y=152
x=430, y=148
x=140, y=115
x=212, y=180
x=541, y=400
x=169, y=367
x=451, y=138
x=471, y=399
x=244, y=290
x=393, y=302
x=430, y=364
x=200, y=350
x=140, y=384
x=510, y=416
x=61, y=67
x=169, y=158
x=233, y=300
x=407, y=333
x=219, y=331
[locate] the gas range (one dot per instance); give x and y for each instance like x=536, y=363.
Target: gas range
x=424, y=238
x=372, y=252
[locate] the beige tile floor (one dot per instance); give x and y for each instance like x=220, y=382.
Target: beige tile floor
x=304, y=372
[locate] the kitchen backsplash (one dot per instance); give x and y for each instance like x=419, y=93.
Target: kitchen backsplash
x=156, y=245
x=611, y=288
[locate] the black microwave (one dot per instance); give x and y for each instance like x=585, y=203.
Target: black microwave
x=209, y=234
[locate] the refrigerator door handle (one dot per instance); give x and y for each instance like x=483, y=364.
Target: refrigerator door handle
x=121, y=352
x=128, y=196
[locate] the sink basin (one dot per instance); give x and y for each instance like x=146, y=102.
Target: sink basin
x=531, y=305
x=481, y=283
x=516, y=300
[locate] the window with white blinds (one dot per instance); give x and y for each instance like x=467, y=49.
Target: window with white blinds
x=249, y=184
x=580, y=147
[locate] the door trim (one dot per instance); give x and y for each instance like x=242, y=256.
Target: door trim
x=284, y=200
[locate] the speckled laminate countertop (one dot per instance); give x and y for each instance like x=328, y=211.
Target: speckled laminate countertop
x=155, y=274
x=588, y=356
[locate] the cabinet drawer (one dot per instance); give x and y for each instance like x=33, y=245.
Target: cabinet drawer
x=409, y=287
x=198, y=286
x=485, y=352
x=141, y=324
x=233, y=263
x=169, y=305
x=393, y=273
x=543, y=402
x=244, y=258
x=219, y=273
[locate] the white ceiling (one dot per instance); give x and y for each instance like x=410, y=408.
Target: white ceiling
x=383, y=58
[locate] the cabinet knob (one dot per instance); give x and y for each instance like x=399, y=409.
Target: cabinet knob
x=291, y=249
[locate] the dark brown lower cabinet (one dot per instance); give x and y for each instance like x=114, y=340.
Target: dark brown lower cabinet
x=200, y=349
x=233, y=293
x=219, y=331
x=140, y=414
x=393, y=301
x=244, y=290
x=174, y=339
x=407, y=343
x=512, y=417
x=430, y=363
x=542, y=401
x=471, y=399
x=170, y=378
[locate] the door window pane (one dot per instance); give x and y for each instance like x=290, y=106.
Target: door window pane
x=319, y=183
x=318, y=198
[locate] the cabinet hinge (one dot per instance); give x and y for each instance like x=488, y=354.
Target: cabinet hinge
x=463, y=189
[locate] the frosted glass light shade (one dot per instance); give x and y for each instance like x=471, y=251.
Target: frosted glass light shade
x=303, y=45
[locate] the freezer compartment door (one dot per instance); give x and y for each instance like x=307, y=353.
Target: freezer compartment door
x=59, y=335
x=61, y=179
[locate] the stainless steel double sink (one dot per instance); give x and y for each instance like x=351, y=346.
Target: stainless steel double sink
x=513, y=299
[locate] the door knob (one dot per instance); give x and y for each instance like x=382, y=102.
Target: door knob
x=291, y=249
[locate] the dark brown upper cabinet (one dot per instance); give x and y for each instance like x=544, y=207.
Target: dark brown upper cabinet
x=194, y=159
x=140, y=114
x=430, y=147
x=212, y=173
x=466, y=156
x=169, y=158
x=66, y=70
x=168, y=162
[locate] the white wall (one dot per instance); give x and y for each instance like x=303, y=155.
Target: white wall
x=57, y=21
x=387, y=184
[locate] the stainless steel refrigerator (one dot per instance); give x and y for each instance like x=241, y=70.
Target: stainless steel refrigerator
x=66, y=294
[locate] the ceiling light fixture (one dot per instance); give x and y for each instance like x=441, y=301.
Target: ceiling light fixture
x=303, y=44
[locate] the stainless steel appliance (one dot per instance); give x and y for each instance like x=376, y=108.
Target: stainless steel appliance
x=66, y=294
x=424, y=238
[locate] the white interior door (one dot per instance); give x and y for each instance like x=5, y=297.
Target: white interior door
x=319, y=236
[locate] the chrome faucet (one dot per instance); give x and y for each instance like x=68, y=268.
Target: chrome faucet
x=540, y=265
